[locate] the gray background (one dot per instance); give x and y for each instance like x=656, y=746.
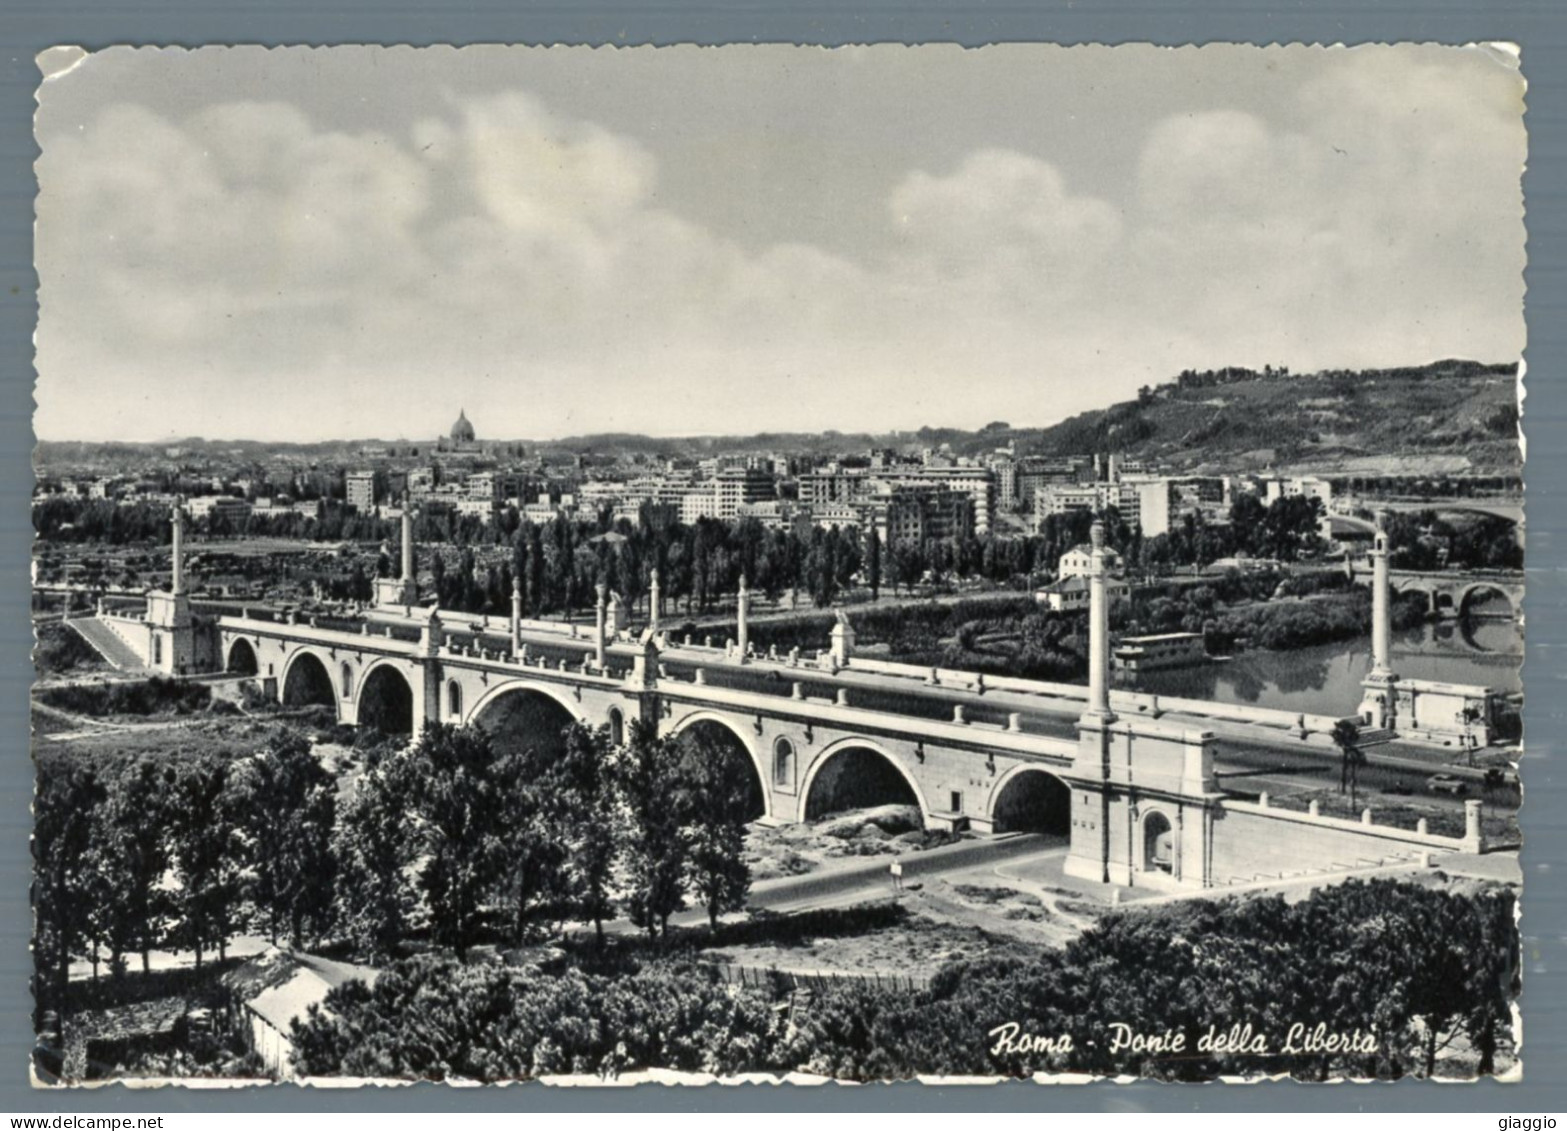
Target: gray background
x=1538, y=26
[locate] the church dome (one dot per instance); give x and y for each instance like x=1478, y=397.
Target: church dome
x=462, y=431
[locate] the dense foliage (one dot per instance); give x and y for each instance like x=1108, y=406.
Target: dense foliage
x=448, y=841
x=1413, y=971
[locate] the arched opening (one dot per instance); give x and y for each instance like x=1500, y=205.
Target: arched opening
x=1033, y=801
x=1485, y=601
x=1158, y=843
x=454, y=699
x=731, y=762
x=242, y=659
x=346, y=680
x=521, y=719
x=308, y=682
x=1442, y=605
x=1419, y=597
x=858, y=777
x=617, y=727
x=386, y=702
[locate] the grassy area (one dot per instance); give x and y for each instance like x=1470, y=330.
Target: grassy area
x=231, y=738
x=155, y=696
x=60, y=650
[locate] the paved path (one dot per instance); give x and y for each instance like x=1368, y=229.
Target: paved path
x=867, y=878
x=797, y=893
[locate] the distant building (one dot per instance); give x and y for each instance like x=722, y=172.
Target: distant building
x=734, y=487
x=461, y=437
x=918, y=512
x=1063, y=498
x=698, y=503
x=1308, y=486
x=228, y=507
x=359, y=489
x=1072, y=593
x=1077, y=561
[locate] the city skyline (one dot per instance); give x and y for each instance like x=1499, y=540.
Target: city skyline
x=885, y=238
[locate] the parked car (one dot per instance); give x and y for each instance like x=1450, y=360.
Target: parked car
x=1446, y=783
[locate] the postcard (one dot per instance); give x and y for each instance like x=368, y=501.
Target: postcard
x=766, y=562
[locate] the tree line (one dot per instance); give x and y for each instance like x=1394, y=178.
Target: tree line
x=449, y=842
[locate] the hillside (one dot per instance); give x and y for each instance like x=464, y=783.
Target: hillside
x=1449, y=416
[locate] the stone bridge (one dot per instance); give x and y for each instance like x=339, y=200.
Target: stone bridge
x=1459, y=594
x=796, y=719
x=1126, y=779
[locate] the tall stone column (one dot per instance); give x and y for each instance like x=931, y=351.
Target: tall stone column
x=600, y=613
x=177, y=572
x=1098, y=627
x=408, y=546
x=743, y=610
x=516, y=616
x=1379, y=707
x=654, y=602
x=1381, y=613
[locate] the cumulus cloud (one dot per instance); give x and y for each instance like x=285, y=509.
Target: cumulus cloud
x=250, y=259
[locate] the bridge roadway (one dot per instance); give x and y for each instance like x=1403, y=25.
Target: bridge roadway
x=1253, y=758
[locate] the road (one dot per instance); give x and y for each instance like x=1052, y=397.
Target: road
x=855, y=881
x=869, y=878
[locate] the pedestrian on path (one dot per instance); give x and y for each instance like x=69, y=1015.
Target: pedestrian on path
x=897, y=875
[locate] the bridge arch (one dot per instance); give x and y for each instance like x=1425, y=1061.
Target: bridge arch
x=524, y=714
x=241, y=658
x=307, y=679
x=1030, y=798
x=1426, y=595
x=697, y=722
x=385, y=699
x=813, y=805
x=1466, y=599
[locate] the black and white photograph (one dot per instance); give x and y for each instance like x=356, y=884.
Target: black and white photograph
x=746, y=563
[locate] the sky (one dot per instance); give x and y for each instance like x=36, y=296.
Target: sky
x=331, y=243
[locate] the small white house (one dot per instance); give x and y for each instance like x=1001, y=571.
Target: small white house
x=1072, y=593
x=278, y=987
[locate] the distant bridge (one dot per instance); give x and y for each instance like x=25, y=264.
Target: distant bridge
x=1455, y=594
x=1510, y=509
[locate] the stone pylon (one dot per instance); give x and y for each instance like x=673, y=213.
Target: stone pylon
x=1379, y=706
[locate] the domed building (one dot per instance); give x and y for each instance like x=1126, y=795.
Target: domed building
x=461, y=438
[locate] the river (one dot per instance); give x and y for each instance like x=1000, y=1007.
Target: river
x=1326, y=678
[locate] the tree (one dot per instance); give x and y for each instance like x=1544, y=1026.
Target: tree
x=535, y=840
x=1346, y=736
x=592, y=828
x=720, y=876
x=208, y=856
x=133, y=854
x=873, y=564
x=68, y=804
x=655, y=846
x=459, y=801
x=286, y=804
x=371, y=848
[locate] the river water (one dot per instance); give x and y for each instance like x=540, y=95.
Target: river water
x=1326, y=679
